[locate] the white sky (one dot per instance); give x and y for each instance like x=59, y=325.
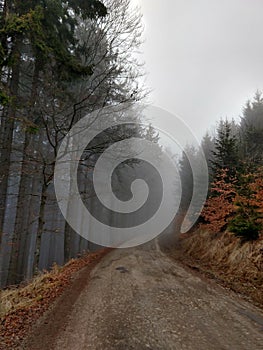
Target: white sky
x=204, y=58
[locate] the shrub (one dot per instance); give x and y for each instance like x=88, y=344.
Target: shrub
x=246, y=229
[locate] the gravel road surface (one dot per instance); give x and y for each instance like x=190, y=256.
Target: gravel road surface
x=141, y=299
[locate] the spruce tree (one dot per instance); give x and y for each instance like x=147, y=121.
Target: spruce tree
x=226, y=150
x=252, y=131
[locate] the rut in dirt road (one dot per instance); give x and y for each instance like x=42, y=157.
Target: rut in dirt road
x=140, y=299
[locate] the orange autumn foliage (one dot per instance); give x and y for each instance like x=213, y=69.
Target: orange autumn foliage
x=233, y=197
x=220, y=205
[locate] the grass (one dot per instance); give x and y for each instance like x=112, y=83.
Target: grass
x=240, y=266
x=22, y=297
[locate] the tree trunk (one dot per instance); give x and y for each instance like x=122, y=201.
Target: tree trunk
x=6, y=136
x=41, y=224
x=27, y=175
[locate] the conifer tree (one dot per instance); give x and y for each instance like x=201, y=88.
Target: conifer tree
x=226, y=149
x=252, y=131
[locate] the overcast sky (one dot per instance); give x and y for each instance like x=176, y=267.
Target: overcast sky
x=204, y=58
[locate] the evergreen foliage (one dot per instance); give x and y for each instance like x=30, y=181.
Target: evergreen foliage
x=225, y=155
x=59, y=60
x=235, y=157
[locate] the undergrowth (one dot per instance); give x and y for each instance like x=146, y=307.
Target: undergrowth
x=238, y=264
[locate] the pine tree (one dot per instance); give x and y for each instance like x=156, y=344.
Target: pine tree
x=37, y=42
x=59, y=60
x=252, y=131
x=226, y=149
x=186, y=175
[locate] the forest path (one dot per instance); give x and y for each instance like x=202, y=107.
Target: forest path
x=141, y=299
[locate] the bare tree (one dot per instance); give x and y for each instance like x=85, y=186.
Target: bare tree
x=52, y=101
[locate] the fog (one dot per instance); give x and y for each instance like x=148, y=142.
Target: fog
x=203, y=58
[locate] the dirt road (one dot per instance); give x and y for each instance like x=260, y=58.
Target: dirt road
x=140, y=299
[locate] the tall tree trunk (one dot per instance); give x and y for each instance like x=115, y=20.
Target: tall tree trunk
x=67, y=242
x=6, y=135
x=17, y=238
x=31, y=225
x=27, y=175
x=41, y=224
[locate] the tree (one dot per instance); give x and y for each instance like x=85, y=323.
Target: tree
x=219, y=207
x=208, y=147
x=226, y=149
x=247, y=222
x=36, y=36
x=77, y=60
x=186, y=176
x=251, y=127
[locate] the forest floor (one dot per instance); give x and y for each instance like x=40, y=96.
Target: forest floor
x=142, y=299
x=22, y=306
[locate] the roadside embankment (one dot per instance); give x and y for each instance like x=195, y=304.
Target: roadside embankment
x=22, y=306
x=239, y=266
